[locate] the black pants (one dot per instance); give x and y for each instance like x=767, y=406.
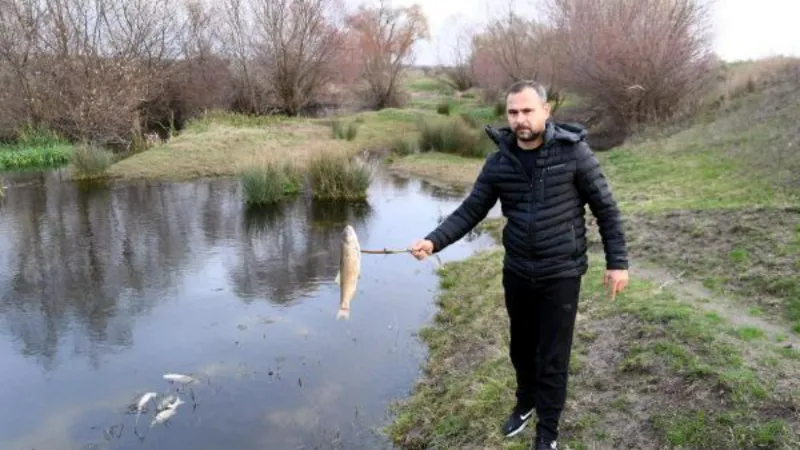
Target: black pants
x=542, y=315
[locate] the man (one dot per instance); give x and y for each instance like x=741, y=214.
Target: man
x=543, y=173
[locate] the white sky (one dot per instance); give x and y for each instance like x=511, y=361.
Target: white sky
x=744, y=29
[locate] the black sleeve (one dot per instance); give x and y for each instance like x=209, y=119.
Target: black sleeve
x=595, y=190
x=469, y=214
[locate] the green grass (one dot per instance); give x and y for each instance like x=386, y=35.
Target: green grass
x=691, y=170
x=335, y=177
x=35, y=147
x=12, y=158
x=429, y=85
x=271, y=182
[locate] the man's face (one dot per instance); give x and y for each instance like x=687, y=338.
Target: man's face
x=527, y=114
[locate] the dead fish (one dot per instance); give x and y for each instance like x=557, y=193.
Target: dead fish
x=186, y=379
x=166, y=402
x=349, y=271
x=146, y=397
x=163, y=416
x=167, y=413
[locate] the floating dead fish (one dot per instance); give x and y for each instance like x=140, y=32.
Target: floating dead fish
x=146, y=397
x=166, y=402
x=349, y=271
x=143, y=400
x=179, y=378
x=168, y=412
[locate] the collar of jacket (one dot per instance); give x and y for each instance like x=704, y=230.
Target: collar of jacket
x=553, y=132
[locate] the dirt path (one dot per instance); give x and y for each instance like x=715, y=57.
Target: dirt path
x=709, y=301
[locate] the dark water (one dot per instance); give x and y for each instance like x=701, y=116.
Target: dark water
x=103, y=290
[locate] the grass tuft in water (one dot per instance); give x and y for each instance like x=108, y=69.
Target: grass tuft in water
x=90, y=161
x=338, y=177
x=270, y=183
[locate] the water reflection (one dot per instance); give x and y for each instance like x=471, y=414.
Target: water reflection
x=289, y=250
x=78, y=263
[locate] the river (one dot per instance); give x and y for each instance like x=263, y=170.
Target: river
x=104, y=289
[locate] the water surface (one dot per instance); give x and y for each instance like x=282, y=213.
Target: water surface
x=105, y=289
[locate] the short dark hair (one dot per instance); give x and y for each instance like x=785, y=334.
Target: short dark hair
x=521, y=85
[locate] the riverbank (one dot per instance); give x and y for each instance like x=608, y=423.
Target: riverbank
x=700, y=352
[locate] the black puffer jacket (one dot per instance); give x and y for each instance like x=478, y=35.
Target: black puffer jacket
x=545, y=234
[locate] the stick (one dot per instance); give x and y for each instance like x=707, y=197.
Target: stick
x=387, y=251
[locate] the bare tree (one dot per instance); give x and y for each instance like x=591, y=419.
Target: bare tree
x=84, y=66
x=386, y=37
x=512, y=48
x=296, y=43
x=636, y=60
x=459, y=72
x=238, y=44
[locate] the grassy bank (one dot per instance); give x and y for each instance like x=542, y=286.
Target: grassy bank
x=700, y=352
x=223, y=144
x=35, y=148
x=647, y=370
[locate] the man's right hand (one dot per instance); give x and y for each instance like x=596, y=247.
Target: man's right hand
x=422, y=249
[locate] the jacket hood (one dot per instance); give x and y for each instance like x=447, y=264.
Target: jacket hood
x=553, y=131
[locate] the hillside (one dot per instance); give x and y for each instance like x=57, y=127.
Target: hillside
x=702, y=350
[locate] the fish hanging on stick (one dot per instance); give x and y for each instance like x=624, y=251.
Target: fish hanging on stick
x=349, y=271
x=350, y=268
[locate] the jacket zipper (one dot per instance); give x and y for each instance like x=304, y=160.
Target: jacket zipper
x=531, y=179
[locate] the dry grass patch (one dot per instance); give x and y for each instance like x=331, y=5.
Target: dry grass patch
x=225, y=148
x=447, y=168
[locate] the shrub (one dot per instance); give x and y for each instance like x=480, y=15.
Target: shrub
x=270, y=183
x=342, y=131
x=454, y=136
x=91, y=161
x=443, y=108
x=333, y=176
x=405, y=146
x=644, y=74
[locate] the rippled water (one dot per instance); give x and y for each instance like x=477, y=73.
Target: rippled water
x=105, y=289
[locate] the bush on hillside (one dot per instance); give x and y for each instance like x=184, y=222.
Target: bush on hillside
x=636, y=61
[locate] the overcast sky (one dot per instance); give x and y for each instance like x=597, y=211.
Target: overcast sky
x=744, y=29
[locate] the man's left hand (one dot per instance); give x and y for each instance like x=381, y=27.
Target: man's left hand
x=615, y=281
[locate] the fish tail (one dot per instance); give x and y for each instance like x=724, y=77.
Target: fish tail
x=343, y=314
